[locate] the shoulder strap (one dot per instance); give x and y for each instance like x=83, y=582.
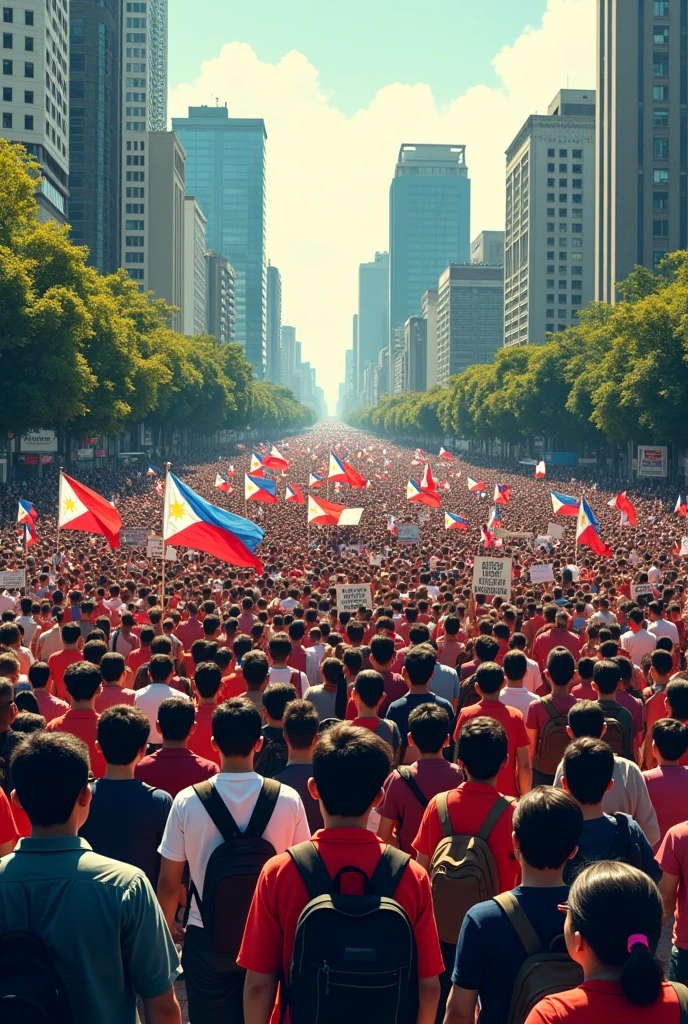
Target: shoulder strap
x=265, y=805
x=420, y=796
x=623, y=833
x=498, y=808
x=217, y=810
x=443, y=812
x=115, y=638
x=310, y=866
x=520, y=922
x=551, y=710
x=387, y=874
x=682, y=993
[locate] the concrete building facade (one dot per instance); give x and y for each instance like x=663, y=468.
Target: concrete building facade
x=429, y=314
x=488, y=247
x=469, y=317
x=219, y=297
x=274, y=325
x=194, y=319
x=415, y=354
x=165, y=221
x=373, y=312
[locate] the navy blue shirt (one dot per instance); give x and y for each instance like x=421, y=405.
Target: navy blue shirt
x=597, y=842
x=487, y=934
x=126, y=821
x=400, y=710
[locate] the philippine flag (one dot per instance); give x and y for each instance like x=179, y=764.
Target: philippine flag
x=152, y=471
x=587, y=531
x=326, y=513
x=474, y=485
x=625, y=506
x=189, y=521
x=502, y=494
x=681, y=505
x=315, y=481
x=257, y=464
x=258, y=488
x=222, y=483
x=454, y=522
x=414, y=492
x=494, y=520
x=540, y=471
x=427, y=482
x=564, y=504
x=392, y=525
x=489, y=539
x=231, y=471
x=294, y=494
x=444, y=454
x=80, y=508
x=26, y=512
x=275, y=460
x=30, y=536
x=341, y=471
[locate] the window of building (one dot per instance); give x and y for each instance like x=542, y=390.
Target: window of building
x=660, y=200
x=563, y=228
x=28, y=17
x=660, y=228
x=577, y=214
x=577, y=229
x=577, y=300
x=563, y=183
x=550, y=211
x=563, y=168
x=550, y=227
x=134, y=257
x=576, y=256
x=563, y=213
x=577, y=286
x=563, y=256
x=660, y=92
x=550, y=266
x=549, y=327
x=6, y=120
x=137, y=275
x=660, y=65
x=550, y=255
x=28, y=122
x=576, y=243
x=660, y=149
x=563, y=242
x=549, y=312
x=551, y=168
x=133, y=225
x=135, y=208
x=7, y=15
x=563, y=152
x=7, y=94
x=550, y=241
x=657, y=258
x=660, y=8
x=660, y=35
x=563, y=198
x=577, y=198
x=660, y=118
x=660, y=177
x=577, y=168
x=563, y=299
x=550, y=152
x=577, y=271
x=7, y=40
x=135, y=241
x=550, y=199
x=28, y=69
x=28, y=43
x=577, y=183
x=550, y=298
x=550, y=284
x=551, y=182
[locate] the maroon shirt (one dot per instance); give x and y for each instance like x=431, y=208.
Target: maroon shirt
x=402, y=806
x=174, y=769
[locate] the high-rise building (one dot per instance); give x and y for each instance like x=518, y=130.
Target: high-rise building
x=225, y=170
x=194, y=319
x=274, y=324
x=470, y=306
x=373, y=311
x=488, y=247
x=165, y=221
x=288, y=360
x=219, y=297
x=642, y=137
x=415, y=354
x=429, y=228
x=94, y=129
x=33, y=110
x=429, y=314
x=143, y=84
x=550, y=220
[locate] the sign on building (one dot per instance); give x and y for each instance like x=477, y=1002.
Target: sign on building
x=652, y=460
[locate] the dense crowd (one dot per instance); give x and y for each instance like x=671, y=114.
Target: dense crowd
x=436, y=805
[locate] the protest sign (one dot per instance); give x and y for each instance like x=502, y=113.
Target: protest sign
x=133, y=537
x=513, y=534
x=542, y=573
x=641, y=590
x=492, y=576
x=556, y=531
x=154, y=547
x=353, y=596
x=376, y=560
x=12, y=580
x=408, y=533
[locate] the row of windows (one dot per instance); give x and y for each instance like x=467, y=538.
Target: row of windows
x=8, y=41
x=135, y=193
x=135, y=161
x=564, y=168
x=563, y=198
x=577, y=154
x=136, y=175
x=136, y=22
x=8, y=95
x=133, y=225
x=564, y=182
x=28, y=121
x=134, y=257
x=135, y=208
x=660, y=8
x=136, y=51
x=576, y=229
x=137, y=275
x=8, y=68
x=8, y=16
x=136, y=8
x=135, y=241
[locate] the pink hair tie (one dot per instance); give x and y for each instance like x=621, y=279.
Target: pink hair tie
x=637, y=940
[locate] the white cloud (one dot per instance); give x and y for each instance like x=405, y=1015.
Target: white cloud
x=329, y=174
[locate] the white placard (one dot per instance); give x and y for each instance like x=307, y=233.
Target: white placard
x=376, y=560
x=556, y=531
x=353, y=596
x=154, y=547
x=13, y=580
x=39, y=441
x=641, y=590
x=542, y=573
x=492, y=576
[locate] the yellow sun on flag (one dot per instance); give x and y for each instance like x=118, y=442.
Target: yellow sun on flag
x=177, y=510
x=70, y=505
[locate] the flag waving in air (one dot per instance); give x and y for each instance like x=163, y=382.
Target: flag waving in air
x=494, y=520
x=564, y=504
x=588, y=532
x=474, y=485
x=326, y=513
x=540, y=471
x=342, y=472
x=624, y=504
x=189, y=521
x=258, y=488
x=275, y=460
x=414, y=492
x=502, y=494
x=315, y=481
x=681, y=506
x=444, y=454
x=427, y=482
x=454, y=522
x=257, y=464
x=80, y=508
x=294, y=494
x=222, y=483
x=152, y=471
x=26, y=512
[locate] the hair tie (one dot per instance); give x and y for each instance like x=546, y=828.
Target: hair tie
x=637, y=940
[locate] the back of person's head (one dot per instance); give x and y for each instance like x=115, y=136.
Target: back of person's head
x=300, y=723
x=561, y=666
x=82, y=680
x=671, y=738
x=489, y=677
x=420, y=662
x=39, y=674
x=255, y=667
x=677, y=699
x=353, y=660
x=208, y=678
x=501, y=631
x=515, y=666
x=609, y=904
x=662, y=661
x=636, y=616
x=49, y=771
x=609, y=649
x=350, y=766
x=211, y=624
x=548, y=824
x=28, y=721
x=112, y=667
x=147, y=636
x=355, y=631
x=161, y=668
x=429, y=728
x=122, y=732
x=586, y=668
x=70, y=632
x=486, y=648
x=237, y=726
x=518, y=642
x=664, y=643
x=297, y=630
x=606, y=677
x=482, y=747
x=280, y=647
x=176, y=718
x=419, y=633
x=276, y=697
x=382, y=649
x=202, y=650
x=452, y=625
x=586, y=718
x=588, y=769
x=161, y=645
x=10, y=634
x=370, y=687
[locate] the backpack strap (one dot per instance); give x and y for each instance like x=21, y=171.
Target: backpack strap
x=443, y=812
x=310, y=866
x=498, y=808
x=520, y=922
x=624, y=843
x=682, y=993
x=387, y=874
x=115, y=638
x=217, y=810
x=551, y=710
x=420, y=796
x=265, y=805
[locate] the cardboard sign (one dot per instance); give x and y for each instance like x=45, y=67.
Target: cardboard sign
x=14, y=580
x=513, y=534
x=556, y=531
x=641, y=590
x=542, y=573
x=408, y=533
x=492, y=576
x=133, y=537
x=353, y=596
x=154, y=547
x=376, y=560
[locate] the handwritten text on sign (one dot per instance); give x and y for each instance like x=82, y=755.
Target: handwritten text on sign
x=492, y=576
x=354, y=596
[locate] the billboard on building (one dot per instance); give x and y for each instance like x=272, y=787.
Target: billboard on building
x=652, y=460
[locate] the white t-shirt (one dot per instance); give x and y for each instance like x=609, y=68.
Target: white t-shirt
x=664, y=628
x=638, y=644
x=518, y=697
x=533, y=677
x=190, y=834
x=284, y=675
x=149, y=700
x=7, y=603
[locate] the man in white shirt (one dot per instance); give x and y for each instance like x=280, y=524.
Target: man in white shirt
x=214, y=986
x=149, y=699
x=51, y=640
x=279, y=649
x=654, y=575
x=27, y=621
x=532, y=680
x=515, y=694
x=660, y=626
x=7, y=603
x=638, y=641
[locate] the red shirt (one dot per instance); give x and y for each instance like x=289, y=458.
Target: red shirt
x=584, y=690
x=432, y=776
x=668, y=789
x=48, y=706
x=8, y=829
x=556, y=637
x=468, y=806
x=58, y=663
x=141, y=656
x=281, y=895
x=603, y=1002
x=174, y=769
x=395, y=687
x=112, y=694
x=516, y=735
x=537, y=715
x=233, y=685
x=188, y=631
x=199, y=740
x=450, y=650
x=83, y=724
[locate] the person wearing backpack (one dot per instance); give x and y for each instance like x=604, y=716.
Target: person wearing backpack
x=606, y=679
x=368, y=693
x=409, y=789
x=300, y=726
x=485, y=650
x=546, y=722
x=515, y=694
x=464, y=840
x=419, y=665
x=226, y=828
x=81, y=935
x=272, y=757
x=375, y=915
x=588, y=768
x=525, y=925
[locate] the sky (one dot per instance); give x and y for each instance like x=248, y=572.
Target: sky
x=341, y=87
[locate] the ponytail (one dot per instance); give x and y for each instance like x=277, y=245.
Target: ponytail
x=641, y=976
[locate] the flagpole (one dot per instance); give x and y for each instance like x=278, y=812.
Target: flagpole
x=59, y=507
x=575, y=556
x=162, y=596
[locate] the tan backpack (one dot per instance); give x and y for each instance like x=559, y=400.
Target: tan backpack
x=463, y=870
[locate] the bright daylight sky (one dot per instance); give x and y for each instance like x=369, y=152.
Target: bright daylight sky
x=340, y=87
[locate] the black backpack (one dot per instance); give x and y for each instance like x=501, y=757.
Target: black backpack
x=624, y=848
x=352, y=952
x=233, y=868
x=272, y=757
x=30, y=990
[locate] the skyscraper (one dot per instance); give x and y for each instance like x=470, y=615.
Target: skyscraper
x=373, y=312
x=642, y=136
x=415, y=354
x=288, y=360
x=470, y=305
x=33, y=106
x=165, y=221
x=429, y=313
x=429, y=228
x=488, y=247
x=194, y=300
x=219, y=297
x=225, y=171
x=274, y=324
x=550, y=220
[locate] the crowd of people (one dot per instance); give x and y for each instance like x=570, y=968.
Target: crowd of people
x=440, y=805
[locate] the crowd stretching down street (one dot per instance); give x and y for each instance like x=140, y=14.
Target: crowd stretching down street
x=343, y=777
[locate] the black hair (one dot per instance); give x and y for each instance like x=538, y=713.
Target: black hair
x=515, y=666
x=588, y=769
x=608, y=903
x=662, y=660
x=26, y=701
x=208, y=678
x=276, y=697
x=548, y=824
x=160, y=668
x=70, y=632
x=429, y=728
x=382, y=649
x=677, y=698
x=122, y=731
x=489, y=677
x=28, y=721
x=482, y=747
x=561, y=666
x=300, y=724
x=255, y=667
x=606, y=677
x=350, y=765
x=420, y=662
x=370, y=687
x=586, y=718
x=49, y=771
x=176, y=718
x=355, y=632
x=419, y=633
x=586, y=667
x=237, y=726
x=609, y=649
x=333, y=673
x=671, y=737
x=486, y=648
x=280, y=646
x=82, y=679
x=39, y=674
x=112, y=667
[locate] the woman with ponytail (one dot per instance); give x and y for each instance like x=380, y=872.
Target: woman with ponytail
x=613, y=922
